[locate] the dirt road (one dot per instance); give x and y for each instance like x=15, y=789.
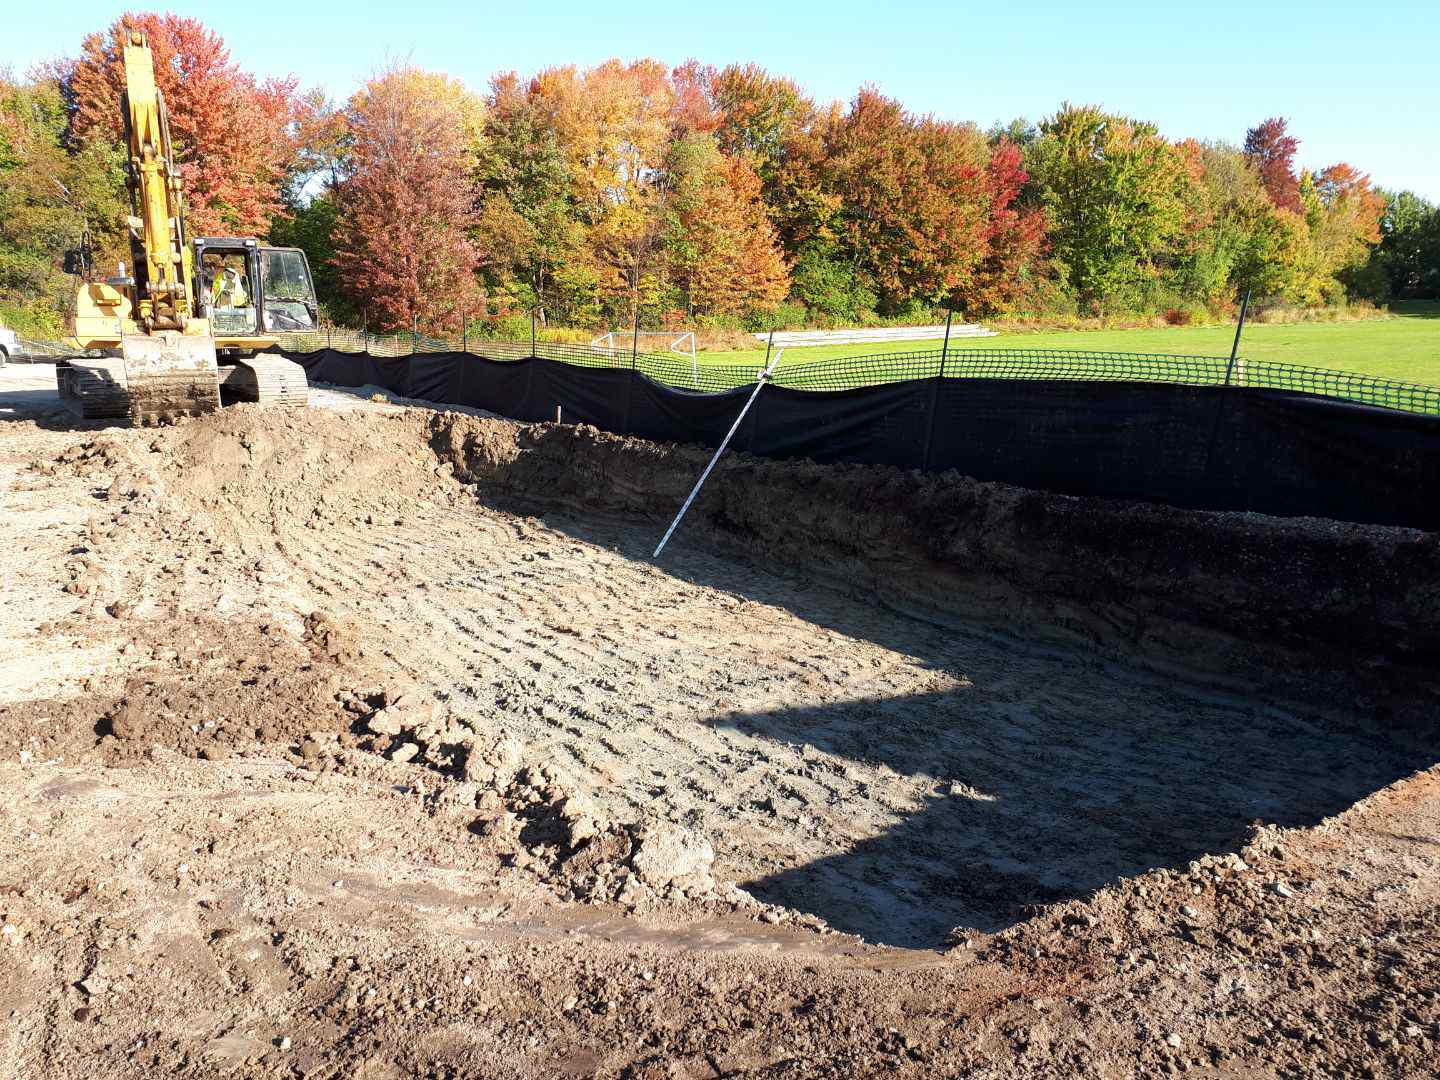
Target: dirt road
x=325, y=760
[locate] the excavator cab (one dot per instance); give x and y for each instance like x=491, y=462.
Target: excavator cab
x=249, y=291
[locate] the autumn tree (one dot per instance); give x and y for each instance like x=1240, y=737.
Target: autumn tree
x=612, y=124
x=721, y=250
x=1015, y=241
x=52, y=198
x=693, y=109
x=759, y=114
x=407, y=205
x=232, y=134
x=914, y=199
x=1271, y=150
x=1235, y=238
x=1113, y=190
x=526, y=225
x=1343, y=213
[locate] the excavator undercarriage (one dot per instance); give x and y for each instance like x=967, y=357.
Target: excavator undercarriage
x=173, y=384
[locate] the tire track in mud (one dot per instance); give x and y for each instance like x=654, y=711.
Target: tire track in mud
x=622, y=668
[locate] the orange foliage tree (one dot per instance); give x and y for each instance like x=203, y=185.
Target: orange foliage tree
x=232, y=134
x=721, y=250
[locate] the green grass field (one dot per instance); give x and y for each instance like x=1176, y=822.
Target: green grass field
x=1404, y=346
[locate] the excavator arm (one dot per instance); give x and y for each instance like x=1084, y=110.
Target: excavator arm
x=163, y=272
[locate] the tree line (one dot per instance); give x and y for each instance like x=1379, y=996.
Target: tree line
x=706, y=196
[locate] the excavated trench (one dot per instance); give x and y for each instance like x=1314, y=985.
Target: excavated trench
x=902, y=703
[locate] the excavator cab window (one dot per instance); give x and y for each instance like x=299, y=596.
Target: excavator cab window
x=226, y=281
x=289, y=294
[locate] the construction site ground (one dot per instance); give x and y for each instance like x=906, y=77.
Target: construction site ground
x=347, y=742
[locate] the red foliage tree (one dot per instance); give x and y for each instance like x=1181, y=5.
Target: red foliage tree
x=1016, y=237
x=407, y=206
x=914, y=198
x=1272, y=152
x=232, y=134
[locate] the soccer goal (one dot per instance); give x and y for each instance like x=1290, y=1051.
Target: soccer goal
x=681, y=343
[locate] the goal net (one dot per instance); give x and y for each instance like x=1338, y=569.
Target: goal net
x=679, y=342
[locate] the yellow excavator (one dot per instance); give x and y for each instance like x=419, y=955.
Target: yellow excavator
x=188, y=327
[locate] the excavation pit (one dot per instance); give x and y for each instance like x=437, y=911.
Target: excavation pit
x=867, y=730
x=380, y=734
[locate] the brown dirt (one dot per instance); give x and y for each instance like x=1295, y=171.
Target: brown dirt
x=373, y=745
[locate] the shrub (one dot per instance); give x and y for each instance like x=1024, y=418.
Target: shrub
x=501, y=328
x=829, y=287
x=785, y=316
x=1178, y=316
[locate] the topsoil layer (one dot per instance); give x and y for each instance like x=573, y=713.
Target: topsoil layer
x=374, y=745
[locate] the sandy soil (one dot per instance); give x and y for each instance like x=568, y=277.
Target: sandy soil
x=326, y=758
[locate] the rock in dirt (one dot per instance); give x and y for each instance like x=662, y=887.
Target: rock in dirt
x=672, y=855
x=404, y=752
x=494, y=761
x=386, y=722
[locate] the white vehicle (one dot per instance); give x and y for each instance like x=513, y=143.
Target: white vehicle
x=8, y=345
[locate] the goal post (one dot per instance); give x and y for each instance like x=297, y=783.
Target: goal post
x=679, y=342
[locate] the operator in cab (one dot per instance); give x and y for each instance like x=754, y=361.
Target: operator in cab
x=228, y=290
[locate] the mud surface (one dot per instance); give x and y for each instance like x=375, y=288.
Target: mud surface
x=372, y=744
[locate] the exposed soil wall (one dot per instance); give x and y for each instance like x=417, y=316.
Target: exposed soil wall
x=1319, y=605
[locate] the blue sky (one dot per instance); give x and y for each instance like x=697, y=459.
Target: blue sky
x=1358, y=82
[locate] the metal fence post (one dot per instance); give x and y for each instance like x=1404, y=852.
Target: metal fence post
x=630, y=380
x=414, y=333
x=532, y=331
x=1239, y=326
x=945, y=345
x=1222, y=396
x=635, y=340
x=464, y=331
x=770, y=366
x=935, y=396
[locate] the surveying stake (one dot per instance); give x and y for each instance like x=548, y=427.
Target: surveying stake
x=759, y=384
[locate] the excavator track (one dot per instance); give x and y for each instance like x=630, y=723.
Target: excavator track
x=109, y=389
x=269, y=379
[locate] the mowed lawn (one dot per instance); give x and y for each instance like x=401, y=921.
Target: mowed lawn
x=1404, y=346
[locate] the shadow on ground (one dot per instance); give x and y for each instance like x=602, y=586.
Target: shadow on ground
x=1031, y=806
x=1051, y=774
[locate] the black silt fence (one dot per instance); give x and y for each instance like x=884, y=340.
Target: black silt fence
x=1206, y=447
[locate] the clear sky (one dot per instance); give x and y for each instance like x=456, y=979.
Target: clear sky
x=1358, y=82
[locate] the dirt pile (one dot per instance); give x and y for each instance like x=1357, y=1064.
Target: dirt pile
x=244, y=472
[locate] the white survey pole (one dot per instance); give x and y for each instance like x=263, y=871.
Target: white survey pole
x=759, y=385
